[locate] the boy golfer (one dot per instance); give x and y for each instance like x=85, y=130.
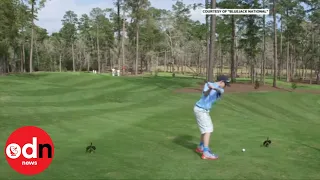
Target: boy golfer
x=210, y=94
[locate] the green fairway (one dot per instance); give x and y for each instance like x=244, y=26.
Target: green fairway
x=143, y=130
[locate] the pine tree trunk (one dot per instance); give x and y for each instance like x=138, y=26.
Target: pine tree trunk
x=208, y=40
x=281, y=51
x=165, y=62
x=291, y=66
x=22, y=59
x=122, y=42
x=60, y=62
x=263, y=51
x=288, y=57
x=233, y=72
x=98, y=51
x=73, y=61
x=31, y=41
x=137, y=49
x=275, y=63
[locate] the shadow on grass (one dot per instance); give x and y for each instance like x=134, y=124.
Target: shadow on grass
x=317, y=149
x=186, y=142
x=28, y=75
x=164, y=82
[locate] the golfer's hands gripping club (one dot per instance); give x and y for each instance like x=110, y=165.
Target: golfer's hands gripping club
x=206, y=93
x=213, y=88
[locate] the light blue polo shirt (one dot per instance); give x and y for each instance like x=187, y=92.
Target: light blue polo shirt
x=206, y=102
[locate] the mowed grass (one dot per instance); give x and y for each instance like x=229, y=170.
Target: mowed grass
x=143, y=130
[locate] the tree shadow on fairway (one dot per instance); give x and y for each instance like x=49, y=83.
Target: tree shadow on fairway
x=164, y=82
x=317, y=149
x=186, y=142
x=34, y=75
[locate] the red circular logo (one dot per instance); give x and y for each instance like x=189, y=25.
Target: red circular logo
x=29, y=150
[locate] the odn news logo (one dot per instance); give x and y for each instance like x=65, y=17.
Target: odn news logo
x=29, y=150
x=14, y=151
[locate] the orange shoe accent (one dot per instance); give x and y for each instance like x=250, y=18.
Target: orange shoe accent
x=207, y=158
x=198, y=150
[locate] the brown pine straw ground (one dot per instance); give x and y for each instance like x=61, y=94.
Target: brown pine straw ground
x=248, y=87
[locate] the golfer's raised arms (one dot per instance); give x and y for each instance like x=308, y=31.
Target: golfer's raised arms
x=206, y=90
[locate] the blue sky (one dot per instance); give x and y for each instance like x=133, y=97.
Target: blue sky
x=50, y=16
